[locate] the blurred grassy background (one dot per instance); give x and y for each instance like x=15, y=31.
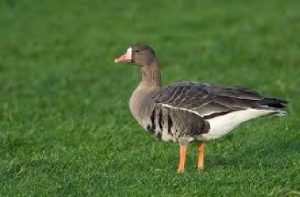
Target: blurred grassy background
x=65, y=126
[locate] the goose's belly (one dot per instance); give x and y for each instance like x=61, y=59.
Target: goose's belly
x=166, y=134
x=161, y=133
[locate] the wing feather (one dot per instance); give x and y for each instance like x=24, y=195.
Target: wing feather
x=205, y=99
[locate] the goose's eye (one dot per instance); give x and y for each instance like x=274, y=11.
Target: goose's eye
x=136, y=51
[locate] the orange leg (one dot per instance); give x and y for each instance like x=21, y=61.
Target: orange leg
x=183, y=150
x=201, y=154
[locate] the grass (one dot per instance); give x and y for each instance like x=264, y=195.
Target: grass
x=65, y=126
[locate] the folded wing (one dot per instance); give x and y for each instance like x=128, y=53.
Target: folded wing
x=209, y=101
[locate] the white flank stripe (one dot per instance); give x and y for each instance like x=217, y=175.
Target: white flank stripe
x=180, y=108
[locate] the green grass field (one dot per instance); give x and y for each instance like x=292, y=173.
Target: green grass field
x=65, y=126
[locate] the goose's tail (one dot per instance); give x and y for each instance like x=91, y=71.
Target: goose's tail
x=277, y=105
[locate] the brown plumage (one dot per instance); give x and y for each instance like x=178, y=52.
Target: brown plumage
x=188, y=111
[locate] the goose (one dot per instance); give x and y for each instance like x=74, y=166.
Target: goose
x=189, y=111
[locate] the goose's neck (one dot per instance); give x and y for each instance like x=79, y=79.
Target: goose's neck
x=151, y=75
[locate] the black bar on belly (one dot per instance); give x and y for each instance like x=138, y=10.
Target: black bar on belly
x=152, y=120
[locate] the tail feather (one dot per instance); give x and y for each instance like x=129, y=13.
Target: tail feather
x=274, y=103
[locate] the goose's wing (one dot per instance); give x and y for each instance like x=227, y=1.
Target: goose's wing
x=206, y=100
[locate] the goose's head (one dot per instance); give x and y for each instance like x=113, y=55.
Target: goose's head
x=138, y=54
